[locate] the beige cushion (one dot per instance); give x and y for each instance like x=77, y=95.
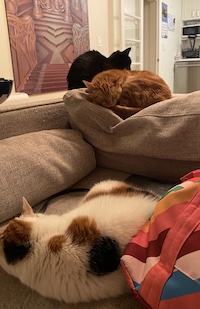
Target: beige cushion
x=161, y=141
x=39, y=164
x=21, y=118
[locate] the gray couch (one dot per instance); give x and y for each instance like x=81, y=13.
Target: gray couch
x=49, y=147
x=40, y=156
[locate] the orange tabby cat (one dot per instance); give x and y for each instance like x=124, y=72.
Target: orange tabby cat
x=126, y=92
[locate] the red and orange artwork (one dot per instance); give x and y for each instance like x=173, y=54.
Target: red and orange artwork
x=45, y=37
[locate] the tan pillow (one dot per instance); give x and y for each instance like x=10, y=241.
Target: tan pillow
x=161, y=141
x=37, y=165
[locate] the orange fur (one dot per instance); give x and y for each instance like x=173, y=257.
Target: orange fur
x=131, y=90
x=56, y=243
x=17, y=232
x=83, y=230
x=120, y=190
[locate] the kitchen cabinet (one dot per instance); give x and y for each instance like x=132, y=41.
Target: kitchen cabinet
x=186, y=75
x=126, y=29
x=190, y=9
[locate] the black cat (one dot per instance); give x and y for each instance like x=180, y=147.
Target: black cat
x=87, y=65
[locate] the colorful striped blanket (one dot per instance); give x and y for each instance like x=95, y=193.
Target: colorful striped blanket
x=162, y=262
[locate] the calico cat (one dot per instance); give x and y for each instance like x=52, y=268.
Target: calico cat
x=75, y=257
x=87, y=65
x=127, y=92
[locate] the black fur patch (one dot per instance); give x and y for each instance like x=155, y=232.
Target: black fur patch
x=104, y=256
x=15, y=252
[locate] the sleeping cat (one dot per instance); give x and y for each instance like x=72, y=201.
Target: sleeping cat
x=87, y=65
x=75, y=257
x=127, y=92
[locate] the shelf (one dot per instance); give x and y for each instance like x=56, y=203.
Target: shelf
x=128, y=28
x=184, y=38
x=132, y=16
x=187, y=60
x=132, y=40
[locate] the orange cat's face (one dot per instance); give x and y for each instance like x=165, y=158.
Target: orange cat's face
x=103, y=93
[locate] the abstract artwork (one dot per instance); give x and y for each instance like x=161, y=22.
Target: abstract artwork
x=45, y=37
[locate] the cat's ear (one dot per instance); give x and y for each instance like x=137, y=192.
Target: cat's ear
x=127, y=51
x=88, y=85
x=27, y=209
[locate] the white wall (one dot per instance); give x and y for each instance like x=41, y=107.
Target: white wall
x=98, y=25
x=5, y=59
x=170, y=46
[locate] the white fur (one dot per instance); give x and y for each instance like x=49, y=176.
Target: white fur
x=65, y=276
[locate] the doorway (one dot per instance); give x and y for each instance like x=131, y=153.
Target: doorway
x=151, y=35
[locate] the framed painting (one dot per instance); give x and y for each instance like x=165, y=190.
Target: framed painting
x=45, y=37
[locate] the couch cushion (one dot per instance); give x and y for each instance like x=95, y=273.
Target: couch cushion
x=39, y=164
x=28, y=117
x=161, y=141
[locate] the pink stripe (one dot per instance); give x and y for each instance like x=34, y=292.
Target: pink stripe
x=154, y=248
x=141, y=239
x=136, y=269
x=186, y=183
x=162, y=222
x=190, y=301
x=192, y=270
x=159, y=274
x=191, y=175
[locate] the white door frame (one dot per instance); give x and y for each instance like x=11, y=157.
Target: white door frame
x=151, y=35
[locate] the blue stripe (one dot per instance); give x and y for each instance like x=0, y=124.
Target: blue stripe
x=137, y=285
x=179, y=285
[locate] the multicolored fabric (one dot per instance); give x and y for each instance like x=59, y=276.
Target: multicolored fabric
x=162, y=262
